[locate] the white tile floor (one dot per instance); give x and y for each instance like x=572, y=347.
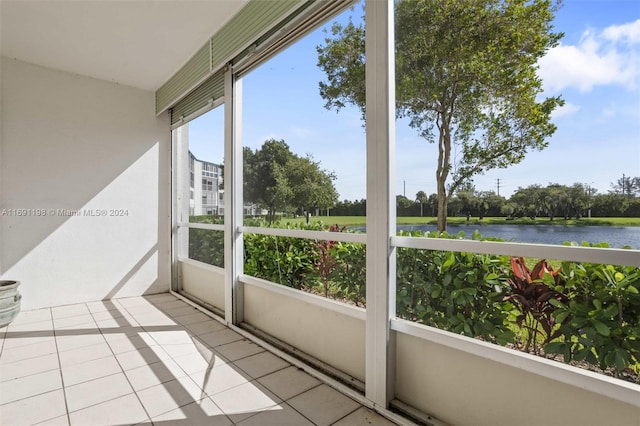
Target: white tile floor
x=154, y=360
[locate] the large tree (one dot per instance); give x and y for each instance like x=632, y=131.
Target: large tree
x=312, y=187
x=627, y=185
x=279, y=180
x=467, y=80
x=552, y=200
x=527, y=201
x=265, y=182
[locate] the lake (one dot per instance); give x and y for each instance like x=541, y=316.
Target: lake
x=616, y=236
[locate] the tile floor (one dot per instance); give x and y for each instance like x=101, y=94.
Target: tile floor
x=154, y=360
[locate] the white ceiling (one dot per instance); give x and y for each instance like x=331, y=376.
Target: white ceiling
x=138, y=43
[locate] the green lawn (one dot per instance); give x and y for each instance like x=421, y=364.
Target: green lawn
x=360, y=221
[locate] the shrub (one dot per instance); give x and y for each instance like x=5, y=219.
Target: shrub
x=459, y=292
x=601, y=319
x=205, y=245
x=284, y=260
x=585, y=312
x=349, y=274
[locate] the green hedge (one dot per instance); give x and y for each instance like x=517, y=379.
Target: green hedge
x=460, y=292
x=205, y=245
x=455, y=291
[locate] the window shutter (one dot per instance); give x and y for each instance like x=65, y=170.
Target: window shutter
x=207, y=96
x=259, y=31
x=248, y=25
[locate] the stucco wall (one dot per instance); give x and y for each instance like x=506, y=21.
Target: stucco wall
x=327, y=335
x=203, y=281
x=461, y=388
x=87, y=161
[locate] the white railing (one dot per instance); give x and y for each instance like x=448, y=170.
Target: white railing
x=579, y=254
x=347, y=237
x=579, y=379
x=197, y=225
x=613, y=256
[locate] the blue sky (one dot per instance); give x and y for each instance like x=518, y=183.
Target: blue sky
x=596, y=69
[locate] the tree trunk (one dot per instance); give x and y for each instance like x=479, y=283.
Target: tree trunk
x=442, y=172
x=442, y=215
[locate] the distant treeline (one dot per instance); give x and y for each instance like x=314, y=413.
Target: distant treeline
x=534, y=201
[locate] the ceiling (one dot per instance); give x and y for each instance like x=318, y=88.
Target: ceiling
x=139, y=43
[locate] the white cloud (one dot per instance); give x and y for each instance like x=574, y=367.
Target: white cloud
x=608, y=57
x=626, y=32
x=567, y=109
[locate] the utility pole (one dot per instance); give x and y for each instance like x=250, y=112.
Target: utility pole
x=404, y=187
x=498, y=180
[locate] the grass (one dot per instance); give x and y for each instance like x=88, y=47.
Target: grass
x=430, y=220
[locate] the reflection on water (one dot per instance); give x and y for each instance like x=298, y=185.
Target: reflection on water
x=616, y=236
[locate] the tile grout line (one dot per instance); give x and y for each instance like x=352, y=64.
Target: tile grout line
x=303, y=416
x=183, y=328
x=309, y=369
x=267, y=374
x=122, y=370
x=346, y=415
x=27, y=357
x=4, y=337
x=212, y=348
x=101, y=402
x=64, y=389
x=172, y=359
x=295, y=396
x=241, y=358
x=206, y=395
x=32, y=396
x=34, y=374
x=299, y=393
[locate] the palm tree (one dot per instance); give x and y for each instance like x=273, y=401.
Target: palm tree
x=421, y=197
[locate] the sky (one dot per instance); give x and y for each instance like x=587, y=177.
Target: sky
x=595, y=69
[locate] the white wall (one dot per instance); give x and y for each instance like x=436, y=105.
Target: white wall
x=462, y=388
x=83, y=145
x=327, y=335
x=206, y=282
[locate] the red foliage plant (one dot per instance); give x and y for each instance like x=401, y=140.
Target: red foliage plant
x=531, y=292
x=326, y=261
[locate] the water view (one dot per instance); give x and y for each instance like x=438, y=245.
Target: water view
x=616, y=236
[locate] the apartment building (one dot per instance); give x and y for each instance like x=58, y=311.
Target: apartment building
x=206, y=190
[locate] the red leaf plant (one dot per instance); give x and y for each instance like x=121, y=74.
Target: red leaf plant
x=531, y=295
x=326, y=261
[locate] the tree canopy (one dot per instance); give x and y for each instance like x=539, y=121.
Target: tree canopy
x=465, y=78
x=278, y=180
x=626, y=185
